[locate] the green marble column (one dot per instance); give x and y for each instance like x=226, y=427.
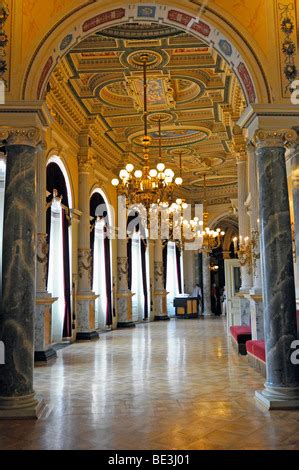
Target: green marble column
x=17, y=397
x=282, y=385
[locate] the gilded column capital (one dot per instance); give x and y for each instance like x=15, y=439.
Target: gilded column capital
x=85, y=165
x=30, y=136
x=264, y=138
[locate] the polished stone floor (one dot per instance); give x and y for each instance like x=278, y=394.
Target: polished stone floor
x=176, y=385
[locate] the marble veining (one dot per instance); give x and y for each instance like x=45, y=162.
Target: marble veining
x=19, y=258
x=206, y=284
x=278, y=272
x=245, y=311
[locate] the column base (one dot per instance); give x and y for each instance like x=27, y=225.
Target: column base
x=126, y=324
x=27, y=407
x=162, y=318
x=45, y=356
x=279, y=398
x=88, y=336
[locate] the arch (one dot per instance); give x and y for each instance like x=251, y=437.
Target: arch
x=60, y=163
x=229, y=42
x=110, y=209
x=101, y=249
x=226, y=218
x=58, y=226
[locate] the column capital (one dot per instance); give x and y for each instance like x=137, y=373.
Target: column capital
x=30, y=136
x=85, y=166
x=267, y=138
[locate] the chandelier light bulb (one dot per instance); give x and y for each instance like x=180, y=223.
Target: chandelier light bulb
x=138, y=174
x=160, y=167
x=169, y=173
x=179, y=202
x=179, y=181
x=130, y=168
x=153, y=173
x=123, y=174
x=222, y=234
x=115, y=182
x=185, y=206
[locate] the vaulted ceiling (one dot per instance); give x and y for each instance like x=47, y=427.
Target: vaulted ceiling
x=190, y=87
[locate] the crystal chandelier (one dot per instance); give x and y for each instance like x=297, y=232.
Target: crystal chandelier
x=194, y=230
x=209, y=239
x=147, y=186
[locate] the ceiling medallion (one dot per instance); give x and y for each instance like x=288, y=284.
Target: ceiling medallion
x=135, y=59
x=173, y=136
x=184, y=151
x=163, y=117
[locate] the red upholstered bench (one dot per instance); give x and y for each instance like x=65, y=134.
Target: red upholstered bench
x=256, y=355
x=257, y=349
x=241, y=334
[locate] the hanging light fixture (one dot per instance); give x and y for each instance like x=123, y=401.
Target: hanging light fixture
x=147, y=186
x=210, y=239
x=181, y=229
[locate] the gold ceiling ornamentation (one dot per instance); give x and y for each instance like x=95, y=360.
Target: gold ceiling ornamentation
x=160, y=92
x=149, y=187
x=82, y=88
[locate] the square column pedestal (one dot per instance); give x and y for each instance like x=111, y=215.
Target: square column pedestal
x=255, y=299
x=124, y=308
x=44, y=352
x=160, y=306
x=86, y=317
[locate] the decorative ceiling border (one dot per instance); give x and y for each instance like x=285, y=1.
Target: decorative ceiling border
x=155, y=13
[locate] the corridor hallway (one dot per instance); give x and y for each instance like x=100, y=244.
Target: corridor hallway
x=175, y=385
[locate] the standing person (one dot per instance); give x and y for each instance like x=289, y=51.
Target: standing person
x=197, y=293
x=224, y=301
x=214, y=298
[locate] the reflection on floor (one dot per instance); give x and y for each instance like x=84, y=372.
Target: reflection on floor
x=176, y=385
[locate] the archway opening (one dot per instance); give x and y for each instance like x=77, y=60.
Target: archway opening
x=138, y=265
x=59, y=239
x=101, y=253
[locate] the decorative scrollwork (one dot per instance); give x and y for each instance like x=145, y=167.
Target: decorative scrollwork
x=287, y=26
x=42, y=255
x=84, y=263
x=4, y=13
x=158, y=272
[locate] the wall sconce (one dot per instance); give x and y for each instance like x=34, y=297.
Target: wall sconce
x=248, y=250
x=214, y=267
